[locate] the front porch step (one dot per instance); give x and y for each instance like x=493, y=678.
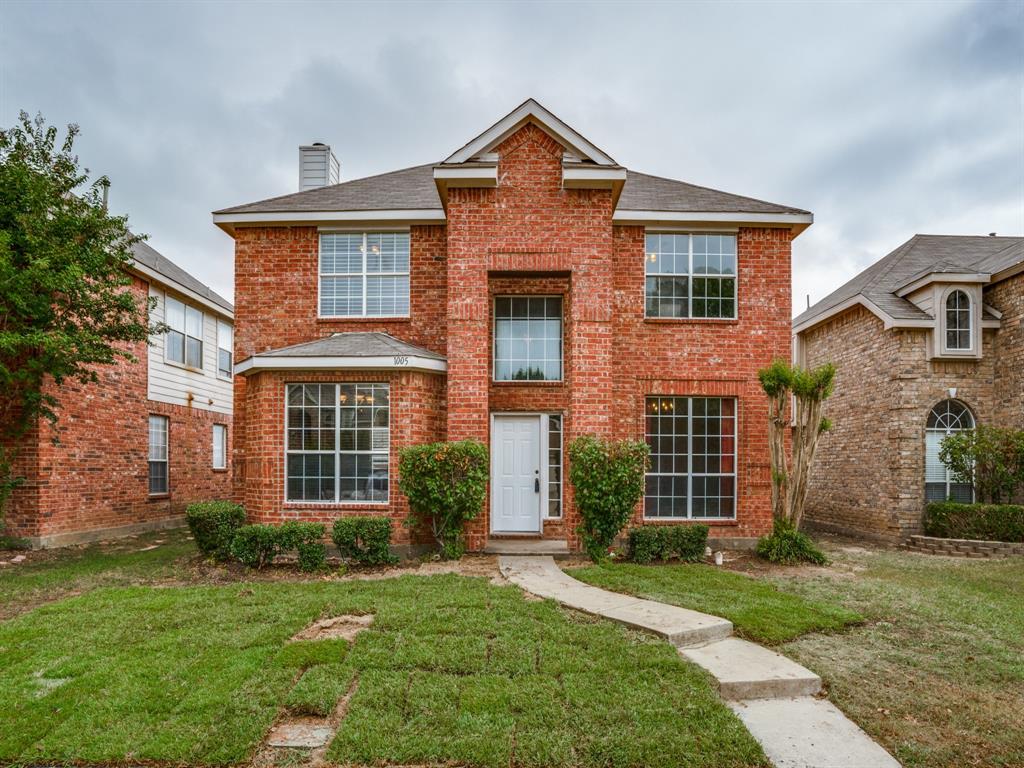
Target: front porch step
x=749, y=671
x=526, y=546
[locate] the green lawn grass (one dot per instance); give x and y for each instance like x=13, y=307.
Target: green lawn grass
x=453, y=670
x=758, y=610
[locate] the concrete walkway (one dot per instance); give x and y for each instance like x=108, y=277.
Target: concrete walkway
x=773, y=695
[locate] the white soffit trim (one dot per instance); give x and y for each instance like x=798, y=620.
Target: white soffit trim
x=801, y=220
x=177, y=287
x=518, y=117
x=379, y=362
x=227, y=221
x=942, y=277
x=591, y=176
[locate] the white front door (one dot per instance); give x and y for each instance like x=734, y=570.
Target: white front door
x=516, y=474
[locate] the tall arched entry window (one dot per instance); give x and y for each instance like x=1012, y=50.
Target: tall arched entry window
x=946, y=418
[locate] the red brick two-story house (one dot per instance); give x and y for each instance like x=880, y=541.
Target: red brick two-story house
x=523, y=291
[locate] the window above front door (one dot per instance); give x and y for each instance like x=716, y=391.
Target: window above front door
x=528, y=338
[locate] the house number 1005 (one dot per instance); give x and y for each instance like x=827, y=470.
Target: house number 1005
x=401, y=360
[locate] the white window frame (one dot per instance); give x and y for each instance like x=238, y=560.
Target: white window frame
x=155, y=418
x=222, y=329
x=735, y=474
x=546, y=464
x=363, y=274
x=186, y=336
x=690, y=276
x=221, y=431
x=941, y=433
x=494, y=338
x=946, y=349
x=337, y=452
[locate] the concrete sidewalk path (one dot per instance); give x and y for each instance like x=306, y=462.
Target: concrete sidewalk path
x=771, y=694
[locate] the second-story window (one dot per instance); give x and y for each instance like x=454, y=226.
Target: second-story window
x=528, y=338
x=690, y=276
x=184, y=344
x=958, y=321
x=224, y=347
x=364, y=275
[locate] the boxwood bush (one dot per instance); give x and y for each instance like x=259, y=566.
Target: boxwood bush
x=786, y=545
x=364, y=540
x=647, y=543
x=988, y=522
x=213, y=525
x=257, y=545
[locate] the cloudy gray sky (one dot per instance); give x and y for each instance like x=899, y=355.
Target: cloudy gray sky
x=883, y=119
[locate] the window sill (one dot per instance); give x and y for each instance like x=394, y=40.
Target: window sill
x=184, y=367
x=689, y=320
x=362, y=319
x=711, y=521
x=158, y=496
x=529, y=383
x=220, y=470
x=337, y=504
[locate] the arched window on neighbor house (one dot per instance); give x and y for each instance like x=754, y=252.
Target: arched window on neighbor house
x=958, y=321
x=946, y=418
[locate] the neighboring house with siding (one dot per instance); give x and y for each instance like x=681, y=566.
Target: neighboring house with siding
x=522, y=292
x=927, y=341
x=154, y=433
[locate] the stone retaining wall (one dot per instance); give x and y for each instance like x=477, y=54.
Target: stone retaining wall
x=933, y=545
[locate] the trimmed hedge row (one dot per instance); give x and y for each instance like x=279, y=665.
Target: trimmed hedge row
x=366, y=540
x=986, y=522
x=257, y=545
x=647, y=543
x=213, y=525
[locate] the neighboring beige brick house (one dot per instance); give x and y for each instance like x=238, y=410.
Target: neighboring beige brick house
x=928, y=340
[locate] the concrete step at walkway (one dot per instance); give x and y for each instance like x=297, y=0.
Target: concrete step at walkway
x=680, y=626
x=526, y=547
x=750, y=671
x=810, y=733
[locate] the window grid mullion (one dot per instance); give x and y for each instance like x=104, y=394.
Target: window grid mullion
x=689, y=286
x=365, y=248
x=689, y=456
x=337, y=443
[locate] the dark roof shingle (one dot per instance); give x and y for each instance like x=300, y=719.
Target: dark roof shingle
x=156, y=261
x=353, y=344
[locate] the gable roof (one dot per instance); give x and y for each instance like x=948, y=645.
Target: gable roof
x=411, y=194
x=922, y=255
x=154, y=264
x=530, y=111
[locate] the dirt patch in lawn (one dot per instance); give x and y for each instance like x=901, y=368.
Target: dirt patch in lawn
x=336, y=628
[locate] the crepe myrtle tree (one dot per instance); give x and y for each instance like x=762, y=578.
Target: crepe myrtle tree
x=66, y=307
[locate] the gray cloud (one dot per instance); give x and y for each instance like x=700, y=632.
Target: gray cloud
x=884, y=119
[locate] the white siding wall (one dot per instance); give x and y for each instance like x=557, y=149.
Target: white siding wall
x=170, y=383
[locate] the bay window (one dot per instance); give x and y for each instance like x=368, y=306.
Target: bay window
x=338, y=440
x=364, y=274
x=693, y=457
x=690, y=276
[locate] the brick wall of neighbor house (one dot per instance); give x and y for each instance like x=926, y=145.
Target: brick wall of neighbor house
x=417, y=402
x=868, y=475
x=1008, y=350
x=97, y=477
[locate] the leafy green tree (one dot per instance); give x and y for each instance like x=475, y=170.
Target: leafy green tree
x=65, y=303
x=608, y=482
x=989, y=458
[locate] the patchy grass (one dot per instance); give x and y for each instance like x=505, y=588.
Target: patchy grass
x=453, y=670
x=51, y=574
x=758, y=610
x=937, y=674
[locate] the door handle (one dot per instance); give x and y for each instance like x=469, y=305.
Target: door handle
x=536, y=485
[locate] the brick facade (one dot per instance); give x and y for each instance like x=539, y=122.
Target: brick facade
x=529, y=235
x=95, y=480
x=868, y=475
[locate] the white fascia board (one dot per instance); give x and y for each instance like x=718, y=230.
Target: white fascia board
x=942, y=277
x=166, y=282
x=468, y=177
x=590, y=176
x=991, y=323
x=1016, y=269
x=227, y=221
x=802, y=220
x=516, y=119
x=379, y=362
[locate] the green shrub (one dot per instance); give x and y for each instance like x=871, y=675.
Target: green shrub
x=213, y=525
x=688, y=542
x=988, y=522
x=307, y=539
x=366, y=540
x=608, y=478
x=786, y=545
x=647, y=543
x=256, y=545
x=989, y=458
x=446, y=484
